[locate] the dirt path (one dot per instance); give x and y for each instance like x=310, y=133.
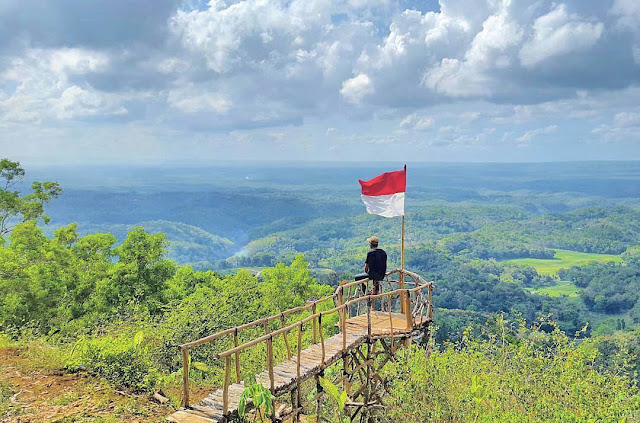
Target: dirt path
x=28, y=394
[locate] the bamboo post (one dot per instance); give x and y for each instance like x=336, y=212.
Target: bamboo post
x=293, y=405
x=235, y=344
x=402, y=238
x=430, y=312
x=185, y=376
x=345, y=372
x=348, y=309
x=408, y=317
x=270, y=363
x=319, y=399
x=344, y=330
x=390, y=319
x=315, y=323
x=407, y=305
x=284, y=335
x=340, y=301
x=401, y=276
x=298, y=375
x=369, y=318
x=225, y=391
x=402, y=255
x=367, y=391
x=321, y=337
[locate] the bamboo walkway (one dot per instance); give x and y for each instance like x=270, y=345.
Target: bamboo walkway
x=365, y=326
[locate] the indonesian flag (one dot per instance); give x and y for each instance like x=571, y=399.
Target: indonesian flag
x=384, y=194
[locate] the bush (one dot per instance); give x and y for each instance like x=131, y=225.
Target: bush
x=512, y=374
x=122, y=361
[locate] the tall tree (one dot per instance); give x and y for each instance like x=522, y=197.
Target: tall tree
x=15, y=206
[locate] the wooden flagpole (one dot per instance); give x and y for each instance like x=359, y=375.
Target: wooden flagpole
x=402, y=246
x=402, y=242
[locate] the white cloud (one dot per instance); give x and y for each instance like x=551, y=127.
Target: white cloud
x=607, y=133
x=628, y=13
x=529, y=136
x=558, y=33
x=413, y=121
x=469, y=117
x=408, y=121
x=314, y=69
x=252, y=33
x=190, y=100
x=354, y=90
x=76, y=102
x=627, y=119
x=44, y=89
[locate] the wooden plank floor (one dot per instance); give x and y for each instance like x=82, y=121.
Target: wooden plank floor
x=285, y=374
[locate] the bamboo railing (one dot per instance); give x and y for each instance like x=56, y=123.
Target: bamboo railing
x=344, y=301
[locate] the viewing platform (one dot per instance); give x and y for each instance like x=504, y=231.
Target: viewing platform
x=401, y=312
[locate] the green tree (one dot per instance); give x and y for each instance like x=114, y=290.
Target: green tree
x=34, y=274
x=15, y=206
x=286, y=286
x=140, y=276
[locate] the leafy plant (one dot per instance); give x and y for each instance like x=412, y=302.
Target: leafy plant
x=123, y=361
x=261, y=398
x=340, y=398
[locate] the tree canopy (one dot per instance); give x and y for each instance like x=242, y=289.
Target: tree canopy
x=17, y=206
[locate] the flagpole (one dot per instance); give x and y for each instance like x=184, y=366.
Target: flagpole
x=402, y=247
x=402, y=243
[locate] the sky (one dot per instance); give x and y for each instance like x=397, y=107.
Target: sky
x=168, y=81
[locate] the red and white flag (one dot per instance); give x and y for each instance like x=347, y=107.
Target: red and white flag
x=384, y=194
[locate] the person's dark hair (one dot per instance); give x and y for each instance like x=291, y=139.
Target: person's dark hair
x=373, y=244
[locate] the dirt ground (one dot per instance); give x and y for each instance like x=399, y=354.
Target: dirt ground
x=32, y=394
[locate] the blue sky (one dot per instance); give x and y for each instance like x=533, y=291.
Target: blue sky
x=161, y=81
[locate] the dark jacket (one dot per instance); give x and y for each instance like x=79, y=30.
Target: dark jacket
x=377, y=262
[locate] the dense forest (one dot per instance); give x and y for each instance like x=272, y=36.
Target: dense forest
x=111, y=294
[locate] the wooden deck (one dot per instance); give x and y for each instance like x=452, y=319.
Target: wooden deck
x=210, y=409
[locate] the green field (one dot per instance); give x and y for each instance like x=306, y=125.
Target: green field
x=563, y=289
x=564, y=259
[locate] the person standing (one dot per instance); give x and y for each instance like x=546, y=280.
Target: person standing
x=376, y=263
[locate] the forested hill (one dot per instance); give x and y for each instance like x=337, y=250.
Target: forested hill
x=246, y=203
x=529, y=308
x=481, y=223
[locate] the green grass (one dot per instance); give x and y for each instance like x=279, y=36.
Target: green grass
x=563, y=289
x=564, y=259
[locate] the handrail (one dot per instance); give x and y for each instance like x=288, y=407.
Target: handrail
x=269, y=319
x=343, y=308
x=257, y=322
x=391, y=272
x=277, y=332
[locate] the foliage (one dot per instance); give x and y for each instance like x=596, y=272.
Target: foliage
x=50, y=283
x=67, y=284
x=140, y=275
x=261, y=398
x=5, y=395
x=513, y=374
x=26, y=207
x=339, y=397
x=124, y=362
x=607, y=287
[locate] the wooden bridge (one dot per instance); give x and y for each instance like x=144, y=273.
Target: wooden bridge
x=387, y=321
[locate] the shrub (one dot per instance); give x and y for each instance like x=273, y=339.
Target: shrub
x=518, y=374
x=122, y=361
